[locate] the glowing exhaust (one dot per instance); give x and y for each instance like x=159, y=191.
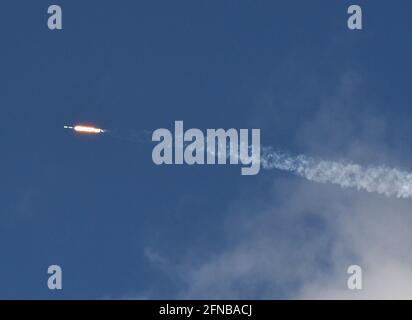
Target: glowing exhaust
x=86, y=129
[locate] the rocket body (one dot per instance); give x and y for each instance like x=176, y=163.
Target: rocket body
x=85, y=129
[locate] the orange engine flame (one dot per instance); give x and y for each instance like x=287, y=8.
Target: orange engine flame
x=86, y=129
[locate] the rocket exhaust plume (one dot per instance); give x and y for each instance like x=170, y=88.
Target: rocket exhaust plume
x=85, y=129
x=379, y=179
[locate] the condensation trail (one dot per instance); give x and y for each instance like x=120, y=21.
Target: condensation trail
x=379, y=179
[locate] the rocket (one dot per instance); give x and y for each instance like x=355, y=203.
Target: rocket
x=85, y=129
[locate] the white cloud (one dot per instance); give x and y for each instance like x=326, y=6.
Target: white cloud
x=285, y=255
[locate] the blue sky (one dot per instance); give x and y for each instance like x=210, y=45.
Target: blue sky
x=122, y=227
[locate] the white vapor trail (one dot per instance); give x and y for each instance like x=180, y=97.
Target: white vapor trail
x=380, y=179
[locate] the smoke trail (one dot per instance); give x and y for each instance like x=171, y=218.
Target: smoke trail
x=380, y=179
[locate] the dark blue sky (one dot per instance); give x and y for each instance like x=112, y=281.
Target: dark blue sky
x=122, y=227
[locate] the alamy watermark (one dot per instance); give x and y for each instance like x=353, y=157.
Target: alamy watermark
x=355, y=279
x=217, y=146
x=55, y=20
x=54, y=282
